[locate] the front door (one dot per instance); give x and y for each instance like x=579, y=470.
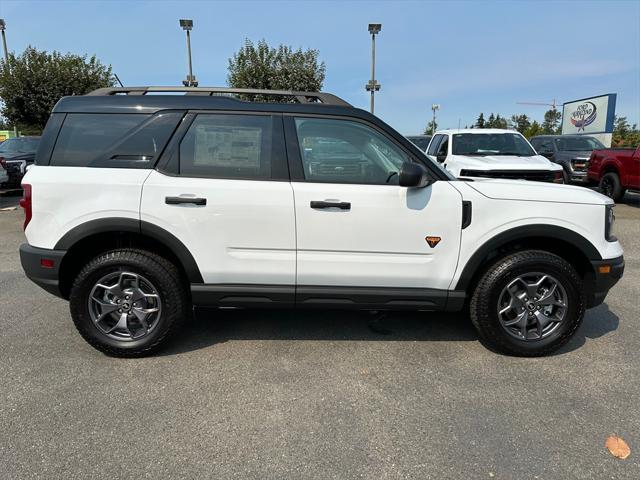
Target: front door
x=357, y=230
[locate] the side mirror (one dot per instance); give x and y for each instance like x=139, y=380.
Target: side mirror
x=413, y=175
x=441, y=157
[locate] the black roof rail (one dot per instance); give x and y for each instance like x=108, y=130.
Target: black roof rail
x=300, y=97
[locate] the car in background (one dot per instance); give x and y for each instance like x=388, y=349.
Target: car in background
x=15, y=155
x=491, y=153
x=572, y=152
x=420, y=141
x=616, y=170
x=4, y=178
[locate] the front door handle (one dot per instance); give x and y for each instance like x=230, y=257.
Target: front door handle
x=324, y=204
x=179, y=200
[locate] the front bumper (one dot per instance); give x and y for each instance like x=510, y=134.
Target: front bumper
x=578, y=177
x=42, y=266
x=606, y=275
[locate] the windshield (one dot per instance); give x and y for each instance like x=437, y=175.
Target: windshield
x=19, y=145
x=578, y=144
x=491, y=144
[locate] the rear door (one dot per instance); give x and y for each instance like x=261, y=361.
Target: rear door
x=362, y=238
x=224, y=192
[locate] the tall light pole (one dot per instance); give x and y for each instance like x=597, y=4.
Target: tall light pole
x=373, y=86
x=187, y=25
x=3, y=27
x=434, y=107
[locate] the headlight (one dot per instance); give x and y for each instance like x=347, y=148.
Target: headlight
x=609, y=219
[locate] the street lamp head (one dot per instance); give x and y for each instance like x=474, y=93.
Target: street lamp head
x=435, y=107
x=3, y=25
x=186, y=24
x=374, y=28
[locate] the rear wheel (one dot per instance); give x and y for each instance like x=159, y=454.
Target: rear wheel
x=528, y=303
x=128, y=302
x=610, y=186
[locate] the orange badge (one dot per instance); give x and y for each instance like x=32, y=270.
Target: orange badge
x=432, y=241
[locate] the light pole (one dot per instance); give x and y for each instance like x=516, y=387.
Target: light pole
x=434, y=107
x=187, y=25
x=373, y=86
x=3, y=27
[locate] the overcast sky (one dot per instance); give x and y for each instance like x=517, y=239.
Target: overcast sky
x=467, y=56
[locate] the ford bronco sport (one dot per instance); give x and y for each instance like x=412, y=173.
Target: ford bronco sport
x=140, y=207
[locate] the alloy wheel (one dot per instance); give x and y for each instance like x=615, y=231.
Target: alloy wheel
x=125, y=306
x=532, y=306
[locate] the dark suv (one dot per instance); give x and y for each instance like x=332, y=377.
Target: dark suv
x=570, y=151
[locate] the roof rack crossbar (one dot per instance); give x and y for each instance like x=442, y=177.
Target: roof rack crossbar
x=300, y=97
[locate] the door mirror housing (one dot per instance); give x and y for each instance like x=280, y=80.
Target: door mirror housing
x=441, y=157
x=413, y=175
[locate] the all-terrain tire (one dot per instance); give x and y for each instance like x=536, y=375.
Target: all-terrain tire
x=485, y=298
x=171, y=290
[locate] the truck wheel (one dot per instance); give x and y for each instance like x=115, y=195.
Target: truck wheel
x=610, y=186
x=528, y=304
x=128, y=302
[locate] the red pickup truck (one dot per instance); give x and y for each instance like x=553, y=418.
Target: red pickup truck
x=616, y=170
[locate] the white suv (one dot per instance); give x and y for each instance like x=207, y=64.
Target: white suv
x=140, y=207
x=491, y=153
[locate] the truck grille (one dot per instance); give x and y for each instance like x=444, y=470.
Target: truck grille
x=579, y=164
x=533, y=175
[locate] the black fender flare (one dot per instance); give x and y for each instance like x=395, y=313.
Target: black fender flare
x=521, y=233
x=117, y=224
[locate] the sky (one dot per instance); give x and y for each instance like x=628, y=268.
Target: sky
x=469, y=57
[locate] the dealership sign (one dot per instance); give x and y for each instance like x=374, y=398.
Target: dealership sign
x=589, y=115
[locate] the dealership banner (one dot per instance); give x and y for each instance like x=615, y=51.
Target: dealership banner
x=589, y=115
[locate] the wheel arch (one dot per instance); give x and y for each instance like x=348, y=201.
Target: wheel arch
x=96, y=236
x=561, y=241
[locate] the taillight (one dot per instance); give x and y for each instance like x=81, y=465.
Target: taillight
x=3, y=163
x=25, y=202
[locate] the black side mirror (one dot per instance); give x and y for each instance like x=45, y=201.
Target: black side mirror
x=413, y=175
x=441, y=157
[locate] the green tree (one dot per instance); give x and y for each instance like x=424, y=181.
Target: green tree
x=534, y=129
x=282, y=68
x=624, y=134
x=431, y=128
x=521, y=122
x=551, y=124
x=480, y=121
x=490, y=121
x=34, y=81
x=500, y=122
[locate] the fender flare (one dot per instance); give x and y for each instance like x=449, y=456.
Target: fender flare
x=116, y=224
x=523, y=232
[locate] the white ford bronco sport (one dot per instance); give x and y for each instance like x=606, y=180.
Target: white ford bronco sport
x=140, y=207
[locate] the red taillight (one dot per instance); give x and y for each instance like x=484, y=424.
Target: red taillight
x=25, y=202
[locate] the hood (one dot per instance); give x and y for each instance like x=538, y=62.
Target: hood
x=505, y=162
x=18, y=156
x=538, y=192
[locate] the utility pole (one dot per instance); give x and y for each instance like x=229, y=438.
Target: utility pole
x=434, y=107
x=373, y=86
x=187, y=25
x=3, y=26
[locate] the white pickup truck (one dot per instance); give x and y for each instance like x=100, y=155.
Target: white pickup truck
x=491, y=153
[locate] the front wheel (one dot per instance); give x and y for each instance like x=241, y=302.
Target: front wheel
x=128, y=302
x=611, y=187
x=528, y=303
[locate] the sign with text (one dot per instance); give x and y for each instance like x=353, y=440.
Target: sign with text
x=589, y=115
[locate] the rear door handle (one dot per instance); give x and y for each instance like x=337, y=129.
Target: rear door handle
x=323, y=204
x=179, y=200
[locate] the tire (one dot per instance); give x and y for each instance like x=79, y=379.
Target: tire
x=610, y=186
x=520, y=271
x=162, y=302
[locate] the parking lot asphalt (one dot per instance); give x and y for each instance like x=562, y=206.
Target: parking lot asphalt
x=327, y=395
